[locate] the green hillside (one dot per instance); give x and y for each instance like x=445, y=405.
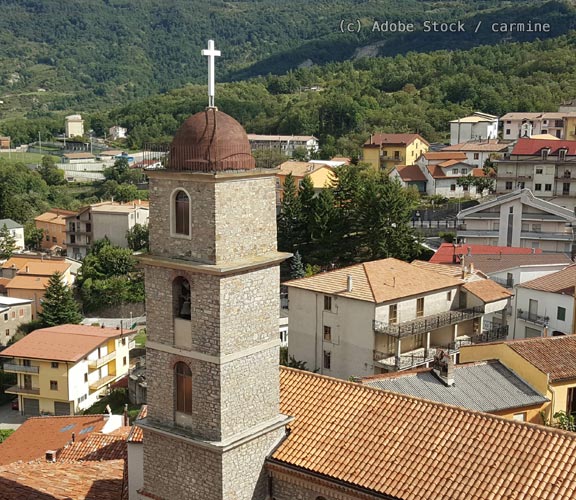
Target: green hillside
x=88, y=55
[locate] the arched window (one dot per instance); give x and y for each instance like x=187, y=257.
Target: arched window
x=181, y=294
x=183, y=388
x=181, y=213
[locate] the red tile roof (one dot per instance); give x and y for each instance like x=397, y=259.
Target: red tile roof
x=97, y=447
x=444, y=254
x=532, y=147
x=487, y=290
x=393, y=139
x=410, y=173
x=444, y=155
x=39, y=434
x=553, y=355
x=136, y=435
x=62, y=343
x=409, y=448
x=62, y=481
x=563, y=282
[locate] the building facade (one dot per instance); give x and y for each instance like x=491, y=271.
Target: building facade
x=557, y=124
x=385, y=151
x=518, y=219
x=286, y=144
x=53, y=226
x=74, y=126
x=13, y=313
x=476, y=127
x=64, y=369
x=16, y=230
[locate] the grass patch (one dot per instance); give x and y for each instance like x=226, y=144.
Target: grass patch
x=140, y=338
x=4, y=433
x=28, y=158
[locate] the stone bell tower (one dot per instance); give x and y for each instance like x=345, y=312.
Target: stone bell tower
x=212, y=299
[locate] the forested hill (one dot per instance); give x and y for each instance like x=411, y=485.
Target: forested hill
x=90, y=54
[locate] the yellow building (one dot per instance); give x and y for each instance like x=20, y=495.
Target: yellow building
x=570, y=128
x=547, y=364
x=321, y=175
x=385, y=151
x=64, y=369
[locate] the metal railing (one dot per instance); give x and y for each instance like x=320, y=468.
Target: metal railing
x=14, y=368
x=427, y=323
x=532, y=317
x=94, y=386
x=421, y=356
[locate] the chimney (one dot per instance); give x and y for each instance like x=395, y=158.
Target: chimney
x=27, y=269
x=125, y=415
x=443, y=368
x=73, y=437
x=469, y=253
x=51, y=456
x=349, y=283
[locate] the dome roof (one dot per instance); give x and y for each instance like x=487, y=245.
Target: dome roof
x=210, y=141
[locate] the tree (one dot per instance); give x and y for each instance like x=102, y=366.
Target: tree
x=33, y=236
x=138, y=237
x=51, y=174
x=58, y=305
x=117, y=171
x=289, y=218
x=296, y=266
x=7, y=243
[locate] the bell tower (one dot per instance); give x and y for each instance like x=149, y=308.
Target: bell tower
x=212, y=300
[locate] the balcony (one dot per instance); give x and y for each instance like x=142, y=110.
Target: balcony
x=98, y=384
x=14, y=368
x=94, y=364
x=427, y=323
x=391, y=158
x=421, y=355
x=532, y=317
x=538, y=235
x=18, y=389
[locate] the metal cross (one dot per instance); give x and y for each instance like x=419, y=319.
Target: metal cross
x=211, y=53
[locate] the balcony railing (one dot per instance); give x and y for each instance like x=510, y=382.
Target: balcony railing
x=18, y=389
x=533, y=318
x=421, y=355
x=427, y=323
x=97, y=363
x=14, y=368
x=94, y=386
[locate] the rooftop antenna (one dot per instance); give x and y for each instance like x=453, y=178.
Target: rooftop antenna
x=211, y=53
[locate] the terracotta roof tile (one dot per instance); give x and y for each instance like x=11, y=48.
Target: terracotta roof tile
x=62, y=343
x=384, y=139
x=62, y=481
x=136, y=435
x=27, y=282
x=487, y=290
x=39, y=434
x=444, y=155
x=410, y=448
x=43, y=268
x=410, y=173
x=97, y=447
x=490, y=146
x=446, y=251
x=553, y=355
x=533, y=147
x=562, y=282
x=377, y=281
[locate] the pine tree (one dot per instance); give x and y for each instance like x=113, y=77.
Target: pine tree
x=289, y=217
x=58, y=305
x=7, y=243
x=296, y=266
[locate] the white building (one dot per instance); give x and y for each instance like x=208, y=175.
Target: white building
x=117, y=132
x=388, y=315
x=100, y=220
x=74, y=126
x=545, y=305
x=478, y=152
x=518, y=219
x=476, y=127
x=284, y=143
x=16, y=230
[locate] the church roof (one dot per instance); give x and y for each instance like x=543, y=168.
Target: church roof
x=210, y=141
x=405, y=447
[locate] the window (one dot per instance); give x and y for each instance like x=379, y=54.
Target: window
x=54, y=364
x=519, y=417
x=455, y=171
x=571, y=401
x=5, y=316
x=396, y=155
x=449, y=295
x=562, y=154
x=463, y=171
x=465, y=187
x=476, y=156
x=521, y=185
x=7, y=332
x=21, y=313
x=392, y=313
x=53, y=385
x=124, y=361
x=47, y=237
x=535, y=244
x=327, y=303
x=508, y=185
x=420, y=307
x=327, y=359
x=88, y=227
x=537, y=187
x=547, y=187
x=182, y=298
x=85, y=377
x=452, y=187
x=539, y=171
x=561, y=313
x=507, y=131
x=72, y=238
x=544, y=152
x=124, y=341
x=182, y=213
x=183, y=388
x=537, y=228
x=54, y=240
x=13, y=314
x=328, y=334
x=26, y=362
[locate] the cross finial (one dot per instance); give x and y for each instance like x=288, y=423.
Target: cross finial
x=211, y=53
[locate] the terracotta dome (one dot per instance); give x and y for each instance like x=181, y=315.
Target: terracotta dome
x=210, y=141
